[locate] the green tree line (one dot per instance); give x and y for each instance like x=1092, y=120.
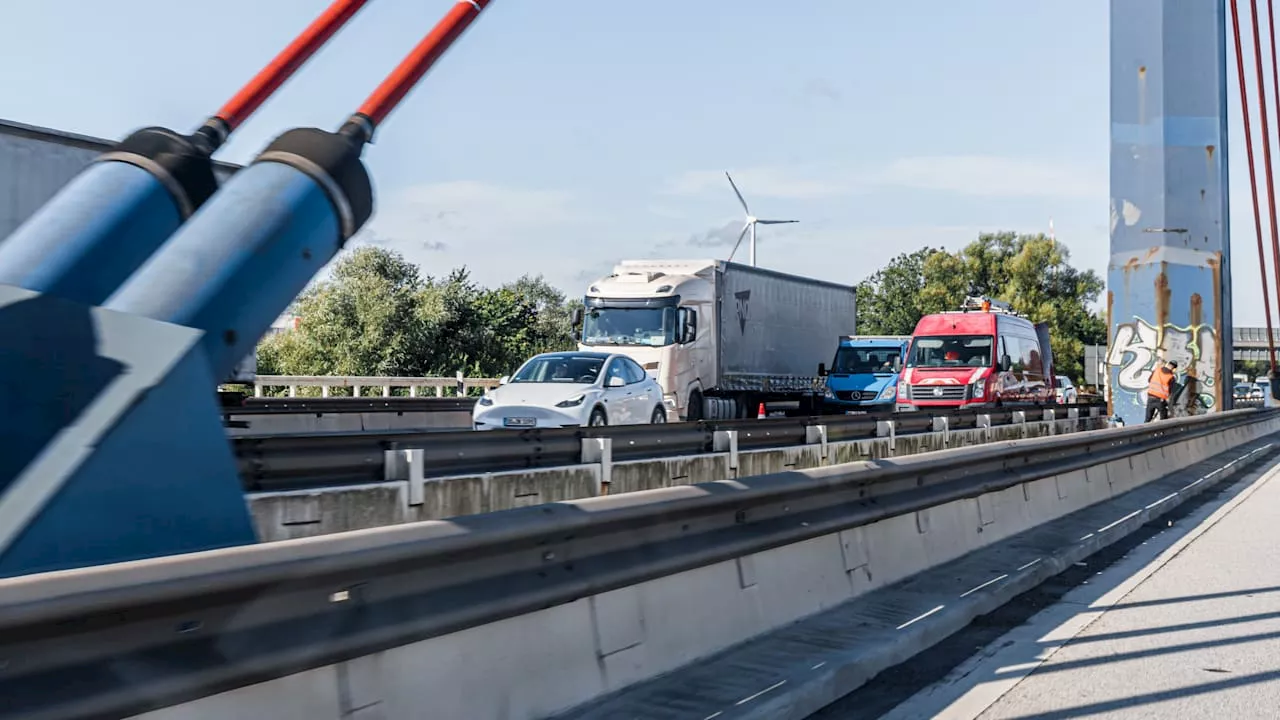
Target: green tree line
x=377, y=315
x=1032, y=273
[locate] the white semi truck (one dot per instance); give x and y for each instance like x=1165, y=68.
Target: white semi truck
x=720, y=337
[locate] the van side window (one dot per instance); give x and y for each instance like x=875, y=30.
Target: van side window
x=1029, y=354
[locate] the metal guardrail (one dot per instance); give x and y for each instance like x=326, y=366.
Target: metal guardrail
x=209, y=622
x=415, y=385
x=287, y=462
x=297, y=405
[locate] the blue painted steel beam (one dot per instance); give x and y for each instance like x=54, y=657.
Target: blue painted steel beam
x=106, y=222
x=1169, y=278
x=238, y=263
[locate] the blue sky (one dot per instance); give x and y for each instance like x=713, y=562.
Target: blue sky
x=560, y=137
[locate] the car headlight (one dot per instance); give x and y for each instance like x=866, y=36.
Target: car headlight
x=902, y=390
x=484, y=401
x=979, y=388
x=571, y=402
x=887, y=393
x=826, y=393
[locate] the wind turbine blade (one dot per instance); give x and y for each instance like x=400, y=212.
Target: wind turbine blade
x=735, y=192
x=741, y=235
x=776, y=222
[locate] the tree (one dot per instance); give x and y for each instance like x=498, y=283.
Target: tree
x=890, y=302
x=377, y=316
x=362, y=321
x=1033, y=274
x=1030, y=272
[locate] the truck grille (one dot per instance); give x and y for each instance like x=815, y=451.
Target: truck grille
x=931, y=392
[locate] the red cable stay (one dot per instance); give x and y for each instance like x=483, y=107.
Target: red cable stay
x=1253, y=179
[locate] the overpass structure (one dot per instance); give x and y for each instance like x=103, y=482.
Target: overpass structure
x=137, y=580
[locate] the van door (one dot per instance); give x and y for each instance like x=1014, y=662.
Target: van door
x=1046, y=358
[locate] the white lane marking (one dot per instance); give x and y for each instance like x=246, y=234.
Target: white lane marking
x=1086, y=537
x=749, y=698
x=1126, y=517
x=713, y=715
x=1166, y=498
x=815, y=667
x=918, y=618
x=971, y=591
x=1024, y=567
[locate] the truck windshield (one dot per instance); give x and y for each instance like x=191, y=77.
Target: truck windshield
x=860, y=361
x=629, y=326
x=946, y=351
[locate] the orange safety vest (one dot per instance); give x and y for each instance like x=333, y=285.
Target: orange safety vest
x=1159, y=385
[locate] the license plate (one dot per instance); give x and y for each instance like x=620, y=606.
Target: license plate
x=519, y=422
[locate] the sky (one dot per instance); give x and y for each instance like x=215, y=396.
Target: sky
x=558, y=138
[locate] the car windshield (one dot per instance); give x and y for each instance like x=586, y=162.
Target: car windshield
x=858, y=361
x=945, y=351
x=629, y=326
x=559, y=369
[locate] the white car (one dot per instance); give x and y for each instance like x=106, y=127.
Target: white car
x=572, y=389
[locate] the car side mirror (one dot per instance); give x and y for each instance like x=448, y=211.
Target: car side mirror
x=897, y=364
x=576, y=320
x=822, y=369
x=616, y=381
x=504, y=380
x=1006, y=363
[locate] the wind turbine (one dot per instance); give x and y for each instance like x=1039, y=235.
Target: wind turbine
x=752, y=221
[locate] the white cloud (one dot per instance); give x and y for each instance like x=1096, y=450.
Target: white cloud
x=798, y=183
x=997, y=176
x=473, y=211
x=975, y=175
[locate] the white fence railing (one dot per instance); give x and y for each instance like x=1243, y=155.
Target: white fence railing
x=417, y=385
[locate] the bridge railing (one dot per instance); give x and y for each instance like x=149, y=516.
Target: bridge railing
x=205, y=623
x=285, y=462
x=416, y=386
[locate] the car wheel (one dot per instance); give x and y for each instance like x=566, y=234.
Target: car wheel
x=598, y=418
x=659, y=416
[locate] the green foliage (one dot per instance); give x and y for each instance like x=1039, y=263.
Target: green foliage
x=1031, y=272
x=889, y=302
x=378, y=316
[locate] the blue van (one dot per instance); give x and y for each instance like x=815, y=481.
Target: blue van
x=864, y=373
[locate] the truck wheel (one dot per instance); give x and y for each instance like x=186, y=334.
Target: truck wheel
x=598, y=418
x=695, y=412
x=659, y=416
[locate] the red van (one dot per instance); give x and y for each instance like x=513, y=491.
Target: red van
x=982, y=355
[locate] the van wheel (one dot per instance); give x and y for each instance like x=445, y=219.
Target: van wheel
x=659, y=416
x=598, y=418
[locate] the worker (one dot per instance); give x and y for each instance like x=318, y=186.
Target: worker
x=1158, y=390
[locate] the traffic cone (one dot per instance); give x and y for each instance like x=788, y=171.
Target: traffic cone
x=760, y=414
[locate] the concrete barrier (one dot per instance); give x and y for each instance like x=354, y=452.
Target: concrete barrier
x=549, y=662
x=307, y=513
x=301, y=422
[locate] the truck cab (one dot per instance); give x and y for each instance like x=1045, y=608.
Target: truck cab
x=864, y=373
x=982, y=355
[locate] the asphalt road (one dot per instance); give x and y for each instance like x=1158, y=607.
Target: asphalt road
x=1193, y=632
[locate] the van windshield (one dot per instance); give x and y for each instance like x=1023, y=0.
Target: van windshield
x=945, y=351
x=860, y=361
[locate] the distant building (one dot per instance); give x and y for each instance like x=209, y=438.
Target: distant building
x=285, y=323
